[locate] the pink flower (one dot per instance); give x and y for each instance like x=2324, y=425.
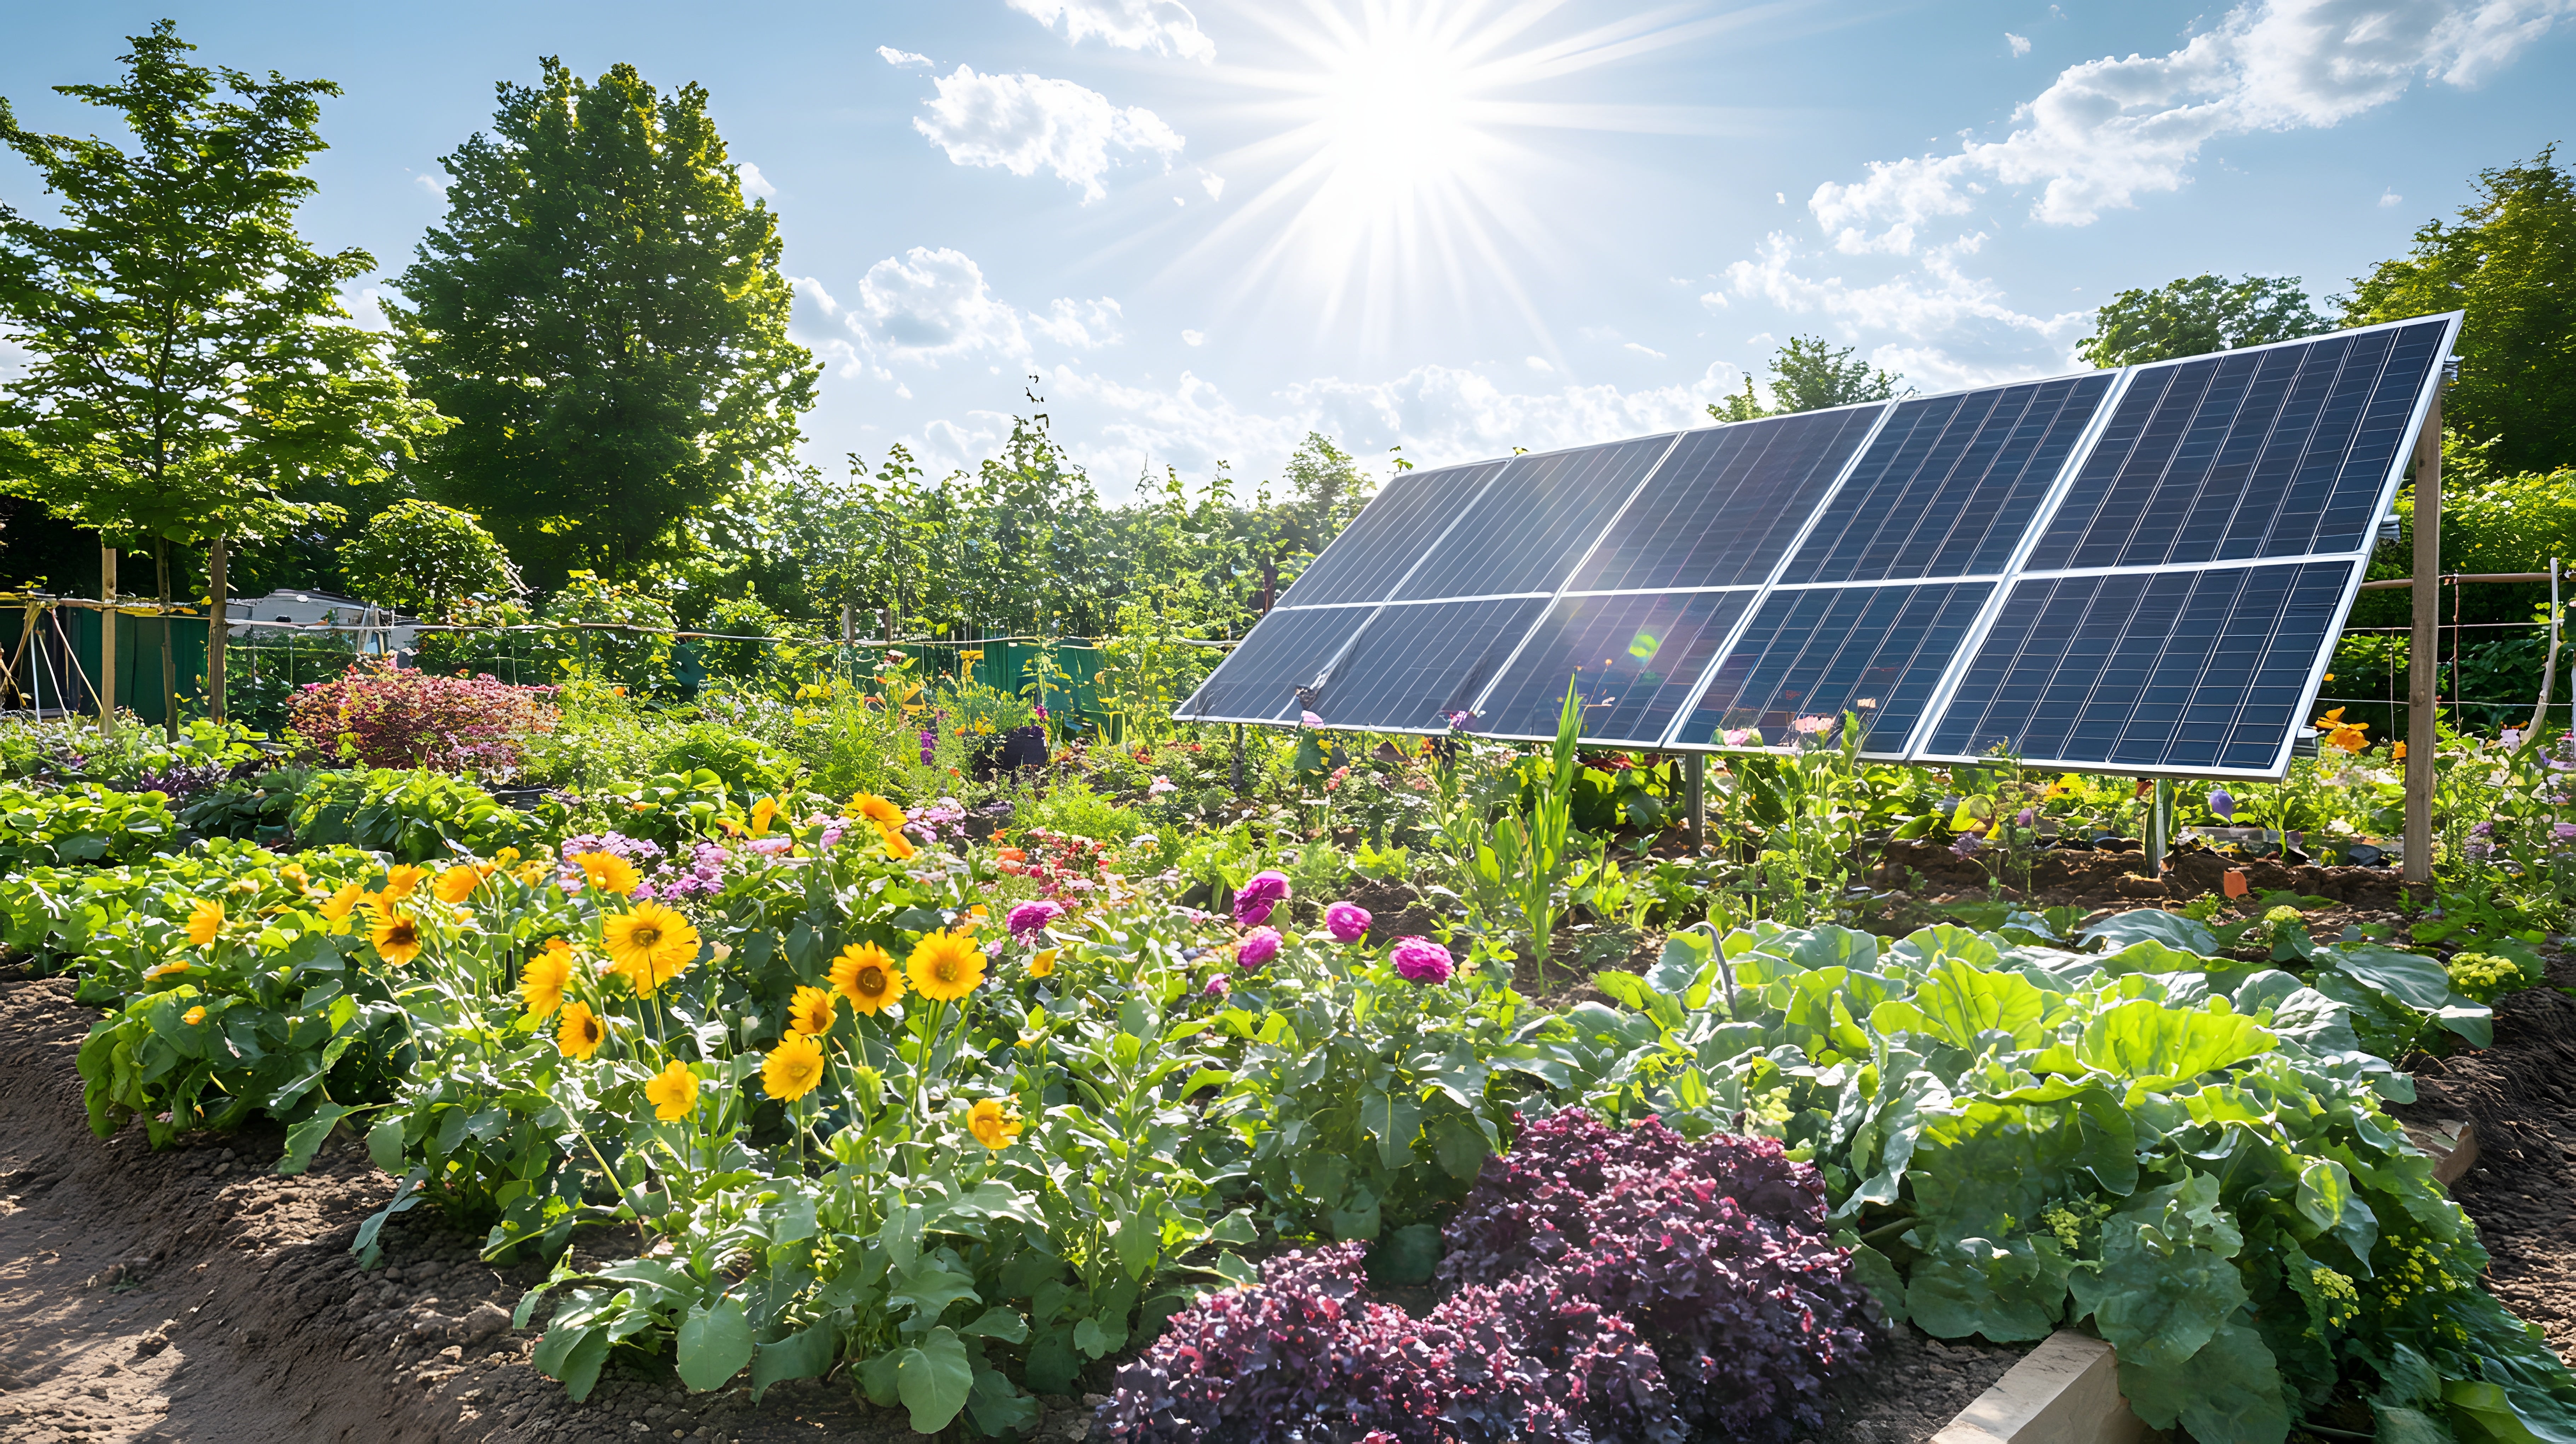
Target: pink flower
x=1254, y=900
x=1031, y=918
x=1258, y=947
x=1743, y=737
x=1160, y=786
x=1309, y=719
x=1217, y=986
x=1420, y=960
x=1347, y=922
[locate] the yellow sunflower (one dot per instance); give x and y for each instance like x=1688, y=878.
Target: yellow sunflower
x=581, y=1032
x=867, y=976
x=542, y=982
x=793, y=1068
x=606, y=871
x=673, y=1092
x=402, y=879
x=651, y=945
x=1043, y=965
x=993, y=1126
x=457, y=883
x=194, y=1015
x=397, y=938
x=877, y=810
x=204, y=921
x=946, y=966
x=810, y=1012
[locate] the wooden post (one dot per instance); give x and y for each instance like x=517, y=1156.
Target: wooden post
x=217, y=628
x=2424, y=647
x=107, y=639
x=1695, y=799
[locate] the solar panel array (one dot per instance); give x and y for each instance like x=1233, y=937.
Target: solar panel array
x=2140, y=570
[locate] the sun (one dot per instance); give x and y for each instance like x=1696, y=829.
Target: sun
x=1397, y=115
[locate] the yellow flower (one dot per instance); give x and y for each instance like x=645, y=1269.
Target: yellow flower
x=811, y=1011
x=457, y=883
x=542, y=982
x=402, y=879
x=866, y=975
x=946, y=966
x=897, y=846
x=673, y=1092
x=793, y=1068
x=606, y=871
x=2401, y=752
x=164, y=970
x=349, y=898
x=993, y=1126
x=763, y=813
x=876, y=809
x=650, y=945
x=204, y=921
x=581, y=1032
x=397, y=938
x=194, y=1015
x=505, y=857
x=1043, y=965
x=294, y=876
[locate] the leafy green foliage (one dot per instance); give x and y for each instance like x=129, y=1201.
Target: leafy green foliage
x=1809, y=373
x=2195, y=316
x=83, y=823
x=415, y=817
x=432, y=561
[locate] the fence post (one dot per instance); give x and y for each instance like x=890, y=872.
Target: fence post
x=2422, y=736
x=107, y=639
x=1695, y=799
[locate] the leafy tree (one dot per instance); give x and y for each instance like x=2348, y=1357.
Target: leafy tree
x=433, y=561
x=1810, y=374
x=191, y=371
x=604, y=316
x=2196, y=316
x=2507, y=262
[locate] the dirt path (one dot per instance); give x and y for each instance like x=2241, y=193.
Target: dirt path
x=194, y=1295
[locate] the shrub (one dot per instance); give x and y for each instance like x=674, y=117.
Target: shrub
x=84, y=823
x=1610, y=1284
x=379, y=715
x=415, y=816
x=741, y=760
x=428, y=559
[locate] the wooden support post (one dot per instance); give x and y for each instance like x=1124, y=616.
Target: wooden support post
x=218, y=602
x=1695, y=799
x=107, y=639
x=2159, y=829
x=2423, y=648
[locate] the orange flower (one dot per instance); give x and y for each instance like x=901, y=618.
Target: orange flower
x=397, y=938
x=165, y=969
x=992, y=1125
x=402, y=879
x=897, y=846
x=865, y=974
x=457, y=883
x=347, y=900
x=606, y=871
x=542, y=982
x=2401, y=751
x=1043, y=965
x=581, y=1032
x=811, y=1011
x=1012, y=854
x=877, y=810
x=205, y=921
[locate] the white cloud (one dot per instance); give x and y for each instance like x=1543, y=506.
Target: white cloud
x=2109, y=130
x=430, y=183
x=1538, y=364
x=925, y=306
x=753, y=182
x=1161, y=26
x=1022, y=122
x=1214, y=185
x=1087, y=325
x=1643, y=350
x=1965, y=330
x=2020, y=43
x=2389, y=198
x=903, y=57
x=1714, y=300
x=1193, y=338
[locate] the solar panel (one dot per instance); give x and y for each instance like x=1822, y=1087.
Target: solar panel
x=1950, y=484
x=1634, y=658
x=1417, y=663
x=1390, y=534
x=1727, y=503
x=2138, y=570
x=1818, y=653
x=2201, y=670
x=1534, y=522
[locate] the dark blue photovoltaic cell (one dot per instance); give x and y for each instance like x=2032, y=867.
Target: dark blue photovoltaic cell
x=1878, y=651
x=1535, y=522
x=2151, y=670
x=1950, y=484
x=1633, y=658
x=1284, y=651
x=2278, y=452
x=1726, y=504
x=1389, y=535
x=1418, y=662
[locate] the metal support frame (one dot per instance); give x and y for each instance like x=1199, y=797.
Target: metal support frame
x=2158, y=832
x=2423, y=647
x=1695, y=799
x=107, y=640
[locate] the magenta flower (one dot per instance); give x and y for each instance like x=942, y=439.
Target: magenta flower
x=1031, y=918
x=1258, y=947
x=1348, y=922
x=1254, y=900
x=1218, y=987
x=1420, y=960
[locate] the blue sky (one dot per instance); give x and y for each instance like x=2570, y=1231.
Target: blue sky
x=1460, y=228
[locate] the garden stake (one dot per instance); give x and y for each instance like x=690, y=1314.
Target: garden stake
x=107, y=641
x=2421, y=735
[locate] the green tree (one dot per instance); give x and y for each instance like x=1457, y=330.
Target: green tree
x=2508, y=263
x=1810, y=374
x=430, y=560
x=191, y=371
x=2196, y=316
x=604, y=316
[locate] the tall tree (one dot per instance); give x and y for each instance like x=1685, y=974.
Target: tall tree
x=192, y=369
x=2510, y=262
x=1810, y=374
x=2192, y=317
x=604, y=316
